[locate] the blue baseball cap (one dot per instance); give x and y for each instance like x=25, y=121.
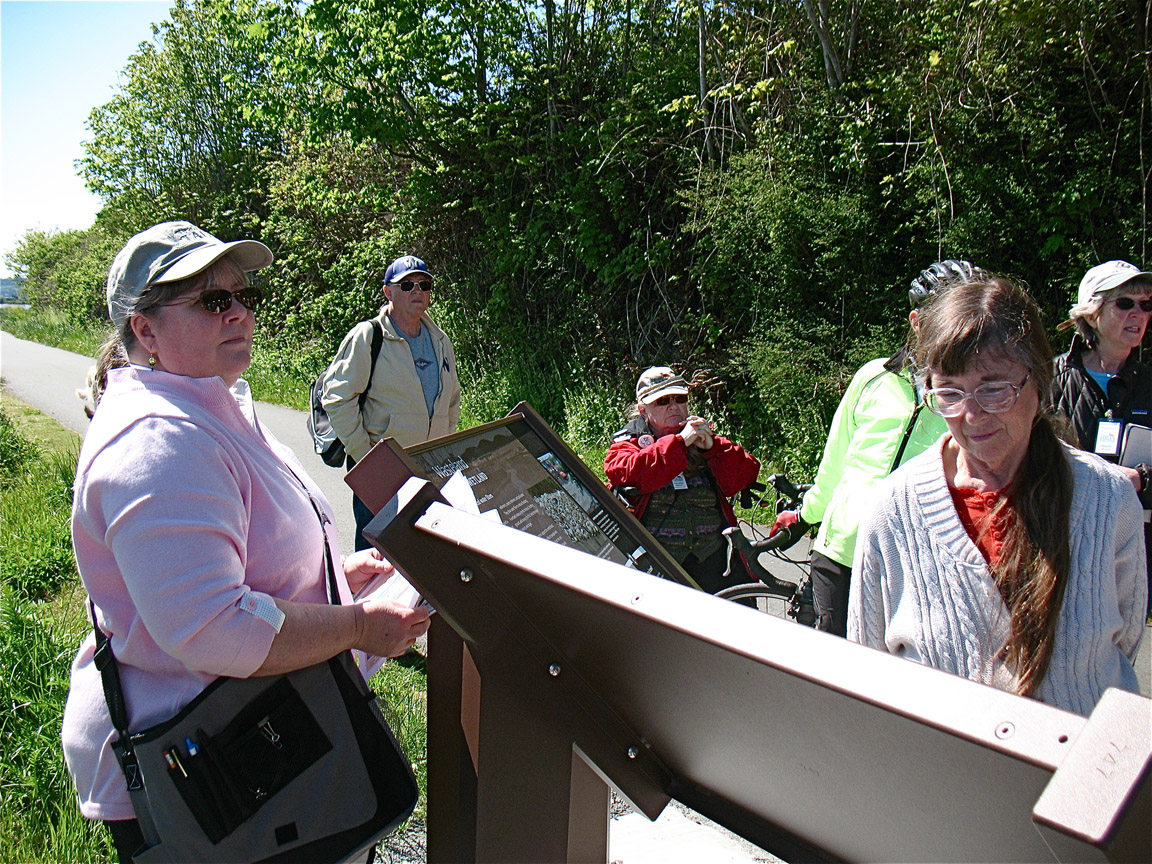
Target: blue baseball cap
x=403, y=266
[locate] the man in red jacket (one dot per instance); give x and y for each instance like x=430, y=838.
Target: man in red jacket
x=685, y=474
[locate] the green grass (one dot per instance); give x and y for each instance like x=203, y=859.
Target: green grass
x=402, y=687
x=35, y=546
x=51, y=327
x=39, y=819
x=42, y=622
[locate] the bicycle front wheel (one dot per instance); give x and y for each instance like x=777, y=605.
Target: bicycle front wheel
x=756, y=593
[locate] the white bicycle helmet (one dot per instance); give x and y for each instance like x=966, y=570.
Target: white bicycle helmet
x=947, y=272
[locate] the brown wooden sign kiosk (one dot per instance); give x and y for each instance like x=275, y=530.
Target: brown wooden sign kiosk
x=554, y=673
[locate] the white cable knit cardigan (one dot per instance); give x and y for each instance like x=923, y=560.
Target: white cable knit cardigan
x=921, y=589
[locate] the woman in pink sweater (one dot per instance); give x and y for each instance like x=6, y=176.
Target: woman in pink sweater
x=196, y=532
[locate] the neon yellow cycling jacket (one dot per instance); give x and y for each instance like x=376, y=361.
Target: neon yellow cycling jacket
x=866, y=434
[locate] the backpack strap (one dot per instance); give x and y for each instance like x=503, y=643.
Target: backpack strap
x=377, y=344
x=907, y=434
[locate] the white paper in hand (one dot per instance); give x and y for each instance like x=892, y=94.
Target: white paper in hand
x=393, y=586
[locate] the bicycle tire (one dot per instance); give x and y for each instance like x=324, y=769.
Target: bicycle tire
x=769, y=603
x=766, y=601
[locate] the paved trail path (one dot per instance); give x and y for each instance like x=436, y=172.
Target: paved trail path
x=47, y=378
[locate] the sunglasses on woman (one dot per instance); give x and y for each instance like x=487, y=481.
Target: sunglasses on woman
x=417, y=284
x=217, y=301
x=1126, y=304
x=679, y=399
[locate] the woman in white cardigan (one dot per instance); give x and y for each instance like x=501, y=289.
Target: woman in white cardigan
x=1001, y=554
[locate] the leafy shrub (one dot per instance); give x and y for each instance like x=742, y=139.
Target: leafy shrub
x=65, y=270
x=281, y=374
x=593, y=410
x=53, y=327
x=793, y=388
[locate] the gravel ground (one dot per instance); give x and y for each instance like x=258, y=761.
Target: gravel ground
x=410, y=846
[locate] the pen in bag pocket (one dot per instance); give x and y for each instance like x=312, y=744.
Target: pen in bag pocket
x=172, y=757
x=192, y=790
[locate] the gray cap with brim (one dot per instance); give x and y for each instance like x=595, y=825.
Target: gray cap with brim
x=1106, y=276
x=169, y=252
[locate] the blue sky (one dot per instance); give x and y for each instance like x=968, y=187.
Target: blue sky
x=59, y=59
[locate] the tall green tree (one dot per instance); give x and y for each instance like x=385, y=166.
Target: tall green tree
x=186, y=137
x=605, y=185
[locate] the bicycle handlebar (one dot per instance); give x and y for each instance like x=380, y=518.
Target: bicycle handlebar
x=783, y=539
x=787, y=488
x=750, y=552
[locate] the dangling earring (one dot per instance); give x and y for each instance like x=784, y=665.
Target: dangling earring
x=152, y=361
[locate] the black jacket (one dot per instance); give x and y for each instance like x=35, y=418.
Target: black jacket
x=1077, y=395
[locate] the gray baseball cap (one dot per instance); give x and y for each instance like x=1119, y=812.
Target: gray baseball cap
x=169, y=252
x=1106, y=276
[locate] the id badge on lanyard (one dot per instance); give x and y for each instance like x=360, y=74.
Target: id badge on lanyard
x=1108, y=436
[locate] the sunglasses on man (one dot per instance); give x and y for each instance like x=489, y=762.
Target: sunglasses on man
x=416, y=284
x=679, y=399
x=217, y=301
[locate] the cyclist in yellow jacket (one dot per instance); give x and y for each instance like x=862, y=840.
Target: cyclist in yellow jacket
x=879, y=424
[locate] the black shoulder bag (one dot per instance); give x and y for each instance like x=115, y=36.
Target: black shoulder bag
x=294, y=767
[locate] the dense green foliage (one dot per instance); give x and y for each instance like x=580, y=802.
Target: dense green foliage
x=41, y=622
x=35, y=503
x=742, y=191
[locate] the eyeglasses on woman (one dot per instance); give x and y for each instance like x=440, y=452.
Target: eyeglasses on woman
x=995, y=397
x=1126, y=304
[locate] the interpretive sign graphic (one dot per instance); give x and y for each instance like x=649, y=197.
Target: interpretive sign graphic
x=519, y=472
x=530, y=487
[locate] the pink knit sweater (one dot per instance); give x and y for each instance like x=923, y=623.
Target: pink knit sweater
x=187, y=520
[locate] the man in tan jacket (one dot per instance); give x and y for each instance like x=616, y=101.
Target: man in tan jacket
x=413, y=394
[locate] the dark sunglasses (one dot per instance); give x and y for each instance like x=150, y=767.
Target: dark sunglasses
x=419, y=284
x=218, y=301
x=679, y=399
x=1125, y=304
